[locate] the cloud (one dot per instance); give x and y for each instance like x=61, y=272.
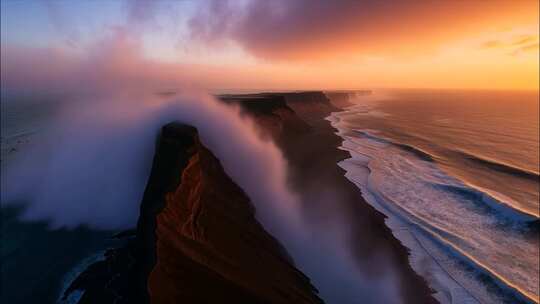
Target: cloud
x=526, y=39
x=140, y=11
x=526, y=44
x=107, y=64
x=299, y=29
x=61, y=23
x=514, y=45
x=528, y=48
x=492, y=44
x=90, y=164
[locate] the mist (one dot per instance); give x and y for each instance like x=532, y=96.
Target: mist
x=90, y=165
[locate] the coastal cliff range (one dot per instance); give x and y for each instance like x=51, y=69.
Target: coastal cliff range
x=198, y=241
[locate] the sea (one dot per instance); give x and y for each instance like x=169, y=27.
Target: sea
x=38, y=263
x=457, y=175
x=455, y=172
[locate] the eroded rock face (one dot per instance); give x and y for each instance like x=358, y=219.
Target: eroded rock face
x=271, y=113
x=312, y=154
x=211, y=249
x=197, y=240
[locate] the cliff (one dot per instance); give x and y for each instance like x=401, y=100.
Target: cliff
x=271, y=112
x=312, y=153
x=342, y=99
x=197, y=240
x=207, y=232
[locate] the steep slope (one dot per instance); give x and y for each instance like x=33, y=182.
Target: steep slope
x=207, y=232
x=197, y=240
x=312, y=153
x=271, y=113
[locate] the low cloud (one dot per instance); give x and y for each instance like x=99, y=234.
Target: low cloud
x=492, y=44
x=515, y=45
x=529, y=48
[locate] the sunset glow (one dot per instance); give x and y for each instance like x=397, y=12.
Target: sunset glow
x=270, y=151
x=293, y=45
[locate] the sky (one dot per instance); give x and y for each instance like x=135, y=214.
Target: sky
x=279, y=44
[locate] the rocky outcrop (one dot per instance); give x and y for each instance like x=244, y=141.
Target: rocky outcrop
x=197, y=240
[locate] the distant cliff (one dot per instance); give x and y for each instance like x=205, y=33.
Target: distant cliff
x=277, y=113
x=343, y=99
x=274, y=117
x=312, y=152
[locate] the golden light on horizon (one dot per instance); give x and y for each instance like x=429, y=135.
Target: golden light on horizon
x=347, y=45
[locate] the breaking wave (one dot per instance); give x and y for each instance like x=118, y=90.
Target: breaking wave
x=464, y=230
x=500, y=166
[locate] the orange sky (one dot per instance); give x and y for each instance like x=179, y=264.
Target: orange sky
x=283, y=44
x=452, y=44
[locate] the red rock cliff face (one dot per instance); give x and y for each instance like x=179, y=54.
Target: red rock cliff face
x=197, y=240
x=210, y=248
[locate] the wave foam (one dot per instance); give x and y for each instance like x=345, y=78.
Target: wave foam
x=457, y=233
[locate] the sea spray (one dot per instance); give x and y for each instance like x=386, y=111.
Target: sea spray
x=91, y=166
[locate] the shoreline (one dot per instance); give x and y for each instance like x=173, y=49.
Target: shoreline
x=317, y=153
x=424, y=244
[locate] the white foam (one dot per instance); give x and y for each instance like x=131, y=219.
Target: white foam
x=69, y=277
x=433, y=223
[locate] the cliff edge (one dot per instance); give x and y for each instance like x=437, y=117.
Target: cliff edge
x=197, y=240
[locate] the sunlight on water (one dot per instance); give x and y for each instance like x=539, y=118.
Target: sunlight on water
x=457, y=169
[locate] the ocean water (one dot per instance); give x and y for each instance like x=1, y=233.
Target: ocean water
x=457, y=174
x=22, y=118
x=38, y=263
